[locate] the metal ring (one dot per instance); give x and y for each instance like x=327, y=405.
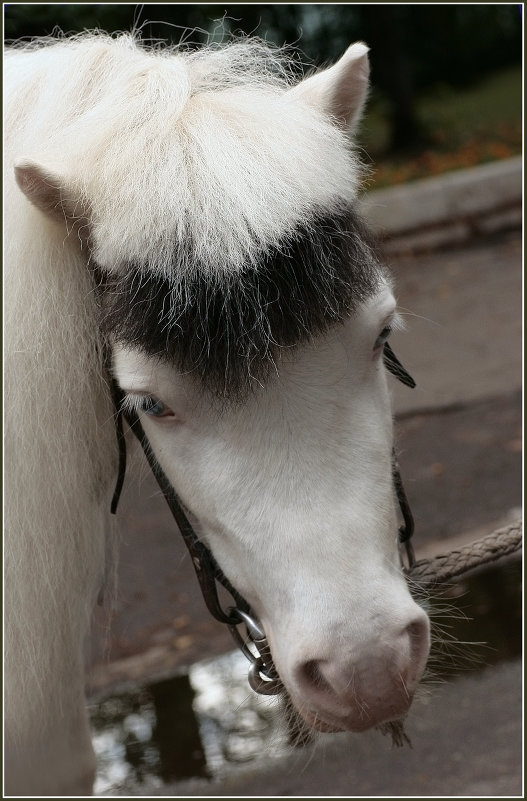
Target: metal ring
x=261, y=685
x=254, y=627
x=242, y=644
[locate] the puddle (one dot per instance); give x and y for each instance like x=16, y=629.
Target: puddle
x=208, y=722
x=200, y=724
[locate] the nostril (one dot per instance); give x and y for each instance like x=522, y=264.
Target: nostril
x=418, y=634
x=419, y=630
x=311, y=671
x=415, y=630
x=309, y=674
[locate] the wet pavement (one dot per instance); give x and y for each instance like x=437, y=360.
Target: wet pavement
x=205, y=725
x=466, y=741
x=459, y=441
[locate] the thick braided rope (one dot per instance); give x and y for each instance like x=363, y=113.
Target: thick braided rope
x=504, y=541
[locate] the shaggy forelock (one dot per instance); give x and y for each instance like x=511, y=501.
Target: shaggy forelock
x=218, y=205
x=208, y=146
x=228, y=331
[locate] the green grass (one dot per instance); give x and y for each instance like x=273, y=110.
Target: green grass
x=466, y=127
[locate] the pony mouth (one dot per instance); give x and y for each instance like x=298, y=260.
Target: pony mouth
x=326, y=723
x=315, y=722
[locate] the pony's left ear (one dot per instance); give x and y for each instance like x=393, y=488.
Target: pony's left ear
x=340, y=90
x=46, y=190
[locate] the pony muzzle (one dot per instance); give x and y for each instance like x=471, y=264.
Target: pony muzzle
x=368, y=685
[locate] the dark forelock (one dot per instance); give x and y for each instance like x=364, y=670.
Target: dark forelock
x=227, y=330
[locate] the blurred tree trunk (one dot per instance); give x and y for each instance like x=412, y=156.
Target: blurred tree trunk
x=386, y=33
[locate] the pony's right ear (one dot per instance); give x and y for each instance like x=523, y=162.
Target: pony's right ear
x=45, y=190
x=340, y=90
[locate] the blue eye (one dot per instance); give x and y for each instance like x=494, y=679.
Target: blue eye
x=154, y=407
x=383, y=337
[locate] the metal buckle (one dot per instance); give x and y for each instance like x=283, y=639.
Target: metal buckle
x=263, y=677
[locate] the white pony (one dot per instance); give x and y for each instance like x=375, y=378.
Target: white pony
x=194, y=212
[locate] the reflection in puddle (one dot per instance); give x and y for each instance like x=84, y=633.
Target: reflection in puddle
x=207, y=722
x=198, y=725
x=237, y=726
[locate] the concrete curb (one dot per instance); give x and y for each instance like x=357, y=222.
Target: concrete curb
x=448, y=209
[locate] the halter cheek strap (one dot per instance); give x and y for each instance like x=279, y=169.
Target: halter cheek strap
x=392, y=363
x=206, y=567
x=263, y=677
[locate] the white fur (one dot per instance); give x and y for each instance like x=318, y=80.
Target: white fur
x=222, y=178
x=292, y=491
x=128, y=152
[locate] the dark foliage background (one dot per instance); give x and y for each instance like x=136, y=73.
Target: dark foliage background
x=415, y=46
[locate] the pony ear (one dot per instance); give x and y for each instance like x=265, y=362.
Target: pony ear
x=340, y=90
x=45, y=190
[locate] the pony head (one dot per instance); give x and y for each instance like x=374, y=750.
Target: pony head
x=247, y=311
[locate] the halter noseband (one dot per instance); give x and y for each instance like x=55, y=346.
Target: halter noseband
x=263, y=677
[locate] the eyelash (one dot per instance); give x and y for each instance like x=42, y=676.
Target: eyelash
x=383, y=337
x=146, y=404
x=395, y=324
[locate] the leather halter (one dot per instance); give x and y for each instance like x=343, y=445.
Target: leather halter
x=263, y=677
